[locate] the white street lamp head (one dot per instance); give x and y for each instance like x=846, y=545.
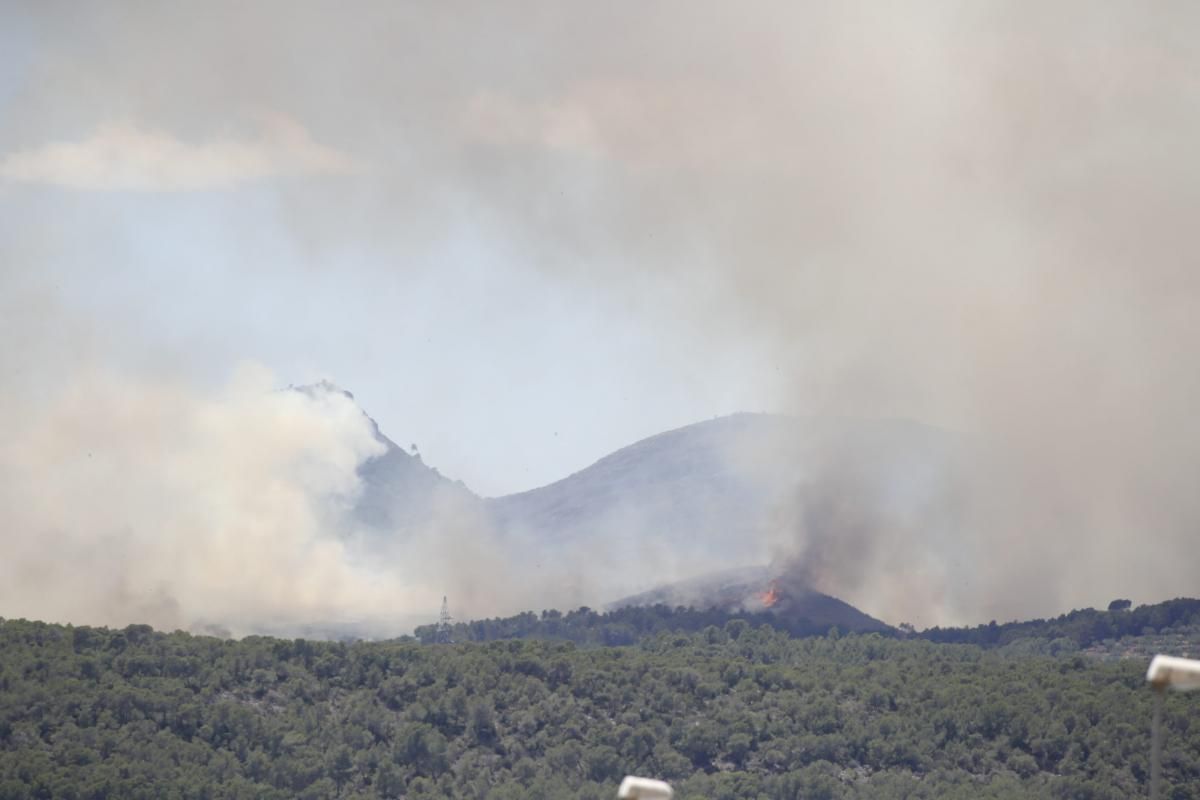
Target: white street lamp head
x=1170, y=672
x=635, y=788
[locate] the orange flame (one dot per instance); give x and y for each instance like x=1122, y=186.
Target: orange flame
x=770, y=597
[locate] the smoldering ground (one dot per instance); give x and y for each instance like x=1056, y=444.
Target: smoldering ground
x=976, y=217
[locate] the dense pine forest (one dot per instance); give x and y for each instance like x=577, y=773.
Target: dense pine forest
x=732, y=710
x=1079, y=629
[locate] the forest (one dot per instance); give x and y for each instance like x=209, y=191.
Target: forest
x=1076, y=630
x=735, y=710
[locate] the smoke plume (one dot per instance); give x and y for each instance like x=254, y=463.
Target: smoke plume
x=133, y=501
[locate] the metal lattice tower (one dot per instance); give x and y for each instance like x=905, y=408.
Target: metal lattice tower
x=444, y=624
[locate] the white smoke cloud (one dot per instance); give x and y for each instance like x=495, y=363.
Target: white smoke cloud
x=124, y=156
x=130, y=500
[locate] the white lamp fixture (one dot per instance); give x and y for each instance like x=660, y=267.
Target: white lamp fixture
x=1166, y=672
x=633, y=788
x=1170, y=672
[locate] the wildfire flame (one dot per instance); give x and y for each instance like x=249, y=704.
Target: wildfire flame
x=770, y=597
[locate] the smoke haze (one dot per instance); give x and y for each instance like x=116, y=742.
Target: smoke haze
x=606, y=219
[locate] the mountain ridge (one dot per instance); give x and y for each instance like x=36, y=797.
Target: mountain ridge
x=679, y=504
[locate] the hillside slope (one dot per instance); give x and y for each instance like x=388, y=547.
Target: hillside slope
x=684, y=487
x=758, y=589
x=725, y=491
x=400, y=493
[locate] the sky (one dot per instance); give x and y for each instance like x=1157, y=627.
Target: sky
x=526, y=234
x=319, y=194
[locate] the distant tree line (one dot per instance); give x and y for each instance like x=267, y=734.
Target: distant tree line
x=624, y=626
x=1084, y=627
x=627, y=626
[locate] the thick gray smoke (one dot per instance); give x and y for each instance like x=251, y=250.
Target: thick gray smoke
x=980, y=216
x=126, y=500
